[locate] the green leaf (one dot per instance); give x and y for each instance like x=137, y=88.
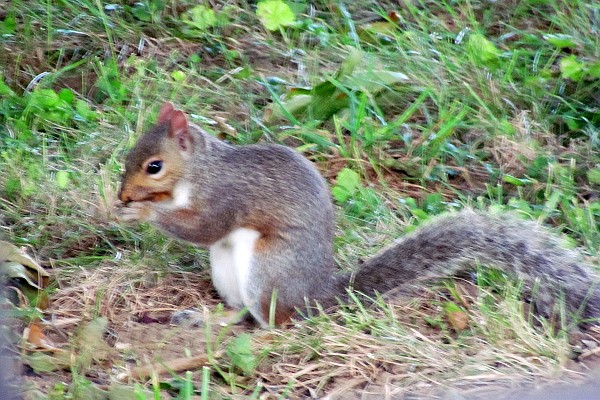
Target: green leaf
x=66, y=95
x=348, y=179
x=420, y=214
x=274, y=14
x=44, y=98
x=347, y=183
x=516, y=181
x=5, y=90
x=178, y=76
x=593, y=70
x=13, y=187
x=572, y=68
x=240, y=352
x=90, y=391
x=8, y=25
x=84, y=110
x=481, y=50
x=294, y=106
x=450, y=306
x=340, y=194
x=331, y=96
x=593, y=176
x=200, y=17
x=141, y=11
x=56, y=116
x=560, y=40
x=62, y=179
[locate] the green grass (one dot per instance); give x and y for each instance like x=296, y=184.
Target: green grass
x=500, y=109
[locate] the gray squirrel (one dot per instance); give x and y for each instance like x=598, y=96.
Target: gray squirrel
x=265, y=213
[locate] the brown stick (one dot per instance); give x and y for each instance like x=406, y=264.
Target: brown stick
x=175, y=365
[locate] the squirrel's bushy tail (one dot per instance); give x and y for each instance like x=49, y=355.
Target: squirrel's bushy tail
x=452, y=243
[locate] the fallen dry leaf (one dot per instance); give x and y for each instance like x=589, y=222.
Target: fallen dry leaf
x=459, y=320
x=36, y=337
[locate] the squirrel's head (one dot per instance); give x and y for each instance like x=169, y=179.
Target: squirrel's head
x=158, y=160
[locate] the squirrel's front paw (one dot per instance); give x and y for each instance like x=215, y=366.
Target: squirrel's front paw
x=190, y=318
x=135, y=211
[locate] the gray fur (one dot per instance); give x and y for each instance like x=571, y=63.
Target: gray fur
x=267, y=185
x=278, y=192
x=453, y=243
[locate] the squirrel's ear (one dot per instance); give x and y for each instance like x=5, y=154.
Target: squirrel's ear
x=166, y=112
x=179, y=130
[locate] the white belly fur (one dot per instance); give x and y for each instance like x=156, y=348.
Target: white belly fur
x=181, y=196
x=231, y=260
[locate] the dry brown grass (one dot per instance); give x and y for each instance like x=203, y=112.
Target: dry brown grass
x=387, y=351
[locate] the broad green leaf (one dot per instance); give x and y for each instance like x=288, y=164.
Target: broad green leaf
x=91, y=391
x=572, y=122
x=331, y=96
x=8, y=25
x=5, y=90
x=201, y=17
x=56, y=116
x=340, y=194
x=324, y=100
x=553, y=200
x=178, y=76
x=240, y=352
x=594, y=176
x=293, y=106
x=141, y=11
x=572, y=68
x=347, y=183
x=560, y=40
x=62, y=179
x=275, y=14
x=481, y=50
x=66, y=95
x=44, y=98
x=593, y=70
x=84, y=110
x=450, y=306
x=420, y=214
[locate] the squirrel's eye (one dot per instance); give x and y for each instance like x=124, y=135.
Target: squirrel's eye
x=154, y=167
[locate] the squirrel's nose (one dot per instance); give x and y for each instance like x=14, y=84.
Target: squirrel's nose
x=123, y=196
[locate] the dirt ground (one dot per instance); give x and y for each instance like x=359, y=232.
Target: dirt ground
x=140, y=334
